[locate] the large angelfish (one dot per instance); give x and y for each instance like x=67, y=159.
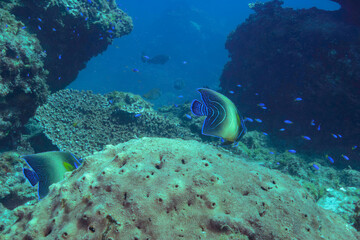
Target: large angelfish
x=222, y=117
x=48, y=168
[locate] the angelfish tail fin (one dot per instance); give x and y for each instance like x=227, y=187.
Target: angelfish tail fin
x=197, y=108
x=31, y=176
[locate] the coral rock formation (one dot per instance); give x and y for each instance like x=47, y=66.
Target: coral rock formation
x=44, y=44
x=283, y=54
x=154, y=188
x=22, y=75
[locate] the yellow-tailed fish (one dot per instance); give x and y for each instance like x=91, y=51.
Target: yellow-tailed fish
x=222, y=117
x=48, y=168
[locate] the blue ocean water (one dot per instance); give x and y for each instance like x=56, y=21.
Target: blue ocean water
x=191, y=33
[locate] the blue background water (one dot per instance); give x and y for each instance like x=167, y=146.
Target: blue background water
x=191, y=31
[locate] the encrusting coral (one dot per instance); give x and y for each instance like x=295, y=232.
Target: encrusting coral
x=156, y=188
x=83, y=122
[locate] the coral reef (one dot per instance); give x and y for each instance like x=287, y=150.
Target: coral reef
x=279, y=54
x=44, y=44
x=155, y=188
x=22, y=77
x=71, y=32
x=83, y=122
x=13, y=191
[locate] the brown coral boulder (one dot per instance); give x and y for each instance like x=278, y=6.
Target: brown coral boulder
x=156, y=188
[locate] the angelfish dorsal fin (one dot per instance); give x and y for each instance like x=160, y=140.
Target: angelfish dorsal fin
x=31, y=176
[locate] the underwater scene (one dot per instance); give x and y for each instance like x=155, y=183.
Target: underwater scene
x=179, y=120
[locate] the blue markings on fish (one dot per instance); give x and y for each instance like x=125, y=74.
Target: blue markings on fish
x=330, y=159
x=222, y=117
x=48, y=168
x=288, y=122
x=306, y=138
x=292, y=151
x=345, y=157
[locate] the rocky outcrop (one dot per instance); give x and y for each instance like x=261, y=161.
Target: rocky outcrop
x=280, y=54
x=44, y=46
x=155, y=188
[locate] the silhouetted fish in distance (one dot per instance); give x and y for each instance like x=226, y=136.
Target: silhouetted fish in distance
x=158, y=59
x=222, y=117
x=153, y=94
x=48, y=168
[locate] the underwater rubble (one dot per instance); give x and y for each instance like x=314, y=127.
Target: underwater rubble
x=280, y=56
x=44, y=44
x=83, y=122
x=154, y=187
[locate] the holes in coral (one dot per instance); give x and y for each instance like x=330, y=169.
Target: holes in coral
x=245, y=193
x=92, y=229
x=176, y=186
x=206, y=164
x=183, y=161
x=307, y=229
x=48, y=230
x=219, y=155
x=65, y=235
x=108, y=188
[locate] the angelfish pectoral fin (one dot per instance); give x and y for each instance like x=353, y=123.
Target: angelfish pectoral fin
x=31, y=176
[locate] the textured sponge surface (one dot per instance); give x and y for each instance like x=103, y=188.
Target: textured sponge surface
x=157, y=188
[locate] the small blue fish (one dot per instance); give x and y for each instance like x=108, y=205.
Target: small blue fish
x=306, y=138
x=264, y=108
x=54, y=29
x=298, y=99
x=345, y=157
x=23, y=27
x=354, y=147
x=184, y=62
x=39, y=19
x=248, y=119
x=316, y=166
x=277, y=163
x=138, y=115
x=282, y=129
x=135, y=70
x=180, y=96
x=318, y=128
x=292, y=151
x=334, y=135
x=288, y=122
x=239, y=85
x=340, y=136
x=258, y=120
x=330, y=159
x=60, y=56
x=188, y=116
x=261, y=104
x=111, y=101
x=265, y=133
x=39, y=27
x=231, y=92
x=312, y=123
x=271, y=152
x=176, y=105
